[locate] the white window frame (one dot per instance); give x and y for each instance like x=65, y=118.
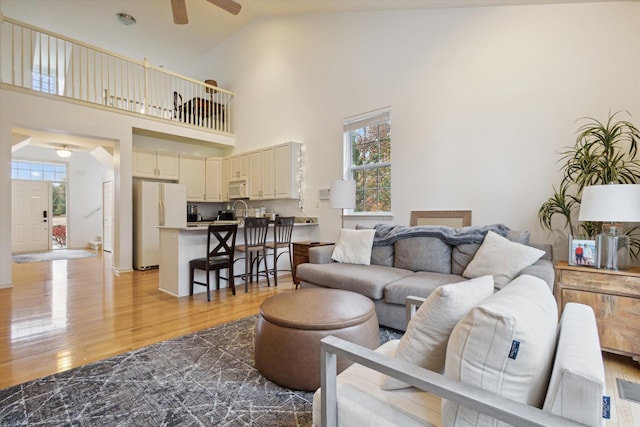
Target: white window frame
x=382, y=115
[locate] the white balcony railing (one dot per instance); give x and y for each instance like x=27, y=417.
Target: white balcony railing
x=42, y=61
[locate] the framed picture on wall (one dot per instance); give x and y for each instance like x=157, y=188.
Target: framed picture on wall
x=582, y=252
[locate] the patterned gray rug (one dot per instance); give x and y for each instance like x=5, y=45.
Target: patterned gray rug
x=52, y=255
x=205, y=378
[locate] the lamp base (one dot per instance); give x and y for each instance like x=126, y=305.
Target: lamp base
x=612, y=247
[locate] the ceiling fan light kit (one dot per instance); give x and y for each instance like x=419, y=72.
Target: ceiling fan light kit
x=63, y=151
x=179, y=9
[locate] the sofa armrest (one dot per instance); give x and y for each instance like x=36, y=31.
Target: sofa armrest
x=321, y=254
x=496, y=406
x=412, y=305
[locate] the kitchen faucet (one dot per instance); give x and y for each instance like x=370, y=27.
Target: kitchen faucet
x=246, y=207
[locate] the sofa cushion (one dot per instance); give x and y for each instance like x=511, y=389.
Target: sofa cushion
x=419, y=284
x=382, y=255
x=368, y=280
x=361, y=401
x=425, y=342
x=423, y=254
x=501, y=258
x=505, y=345
x=354, y=246
x=461, y=256
x=577, y=380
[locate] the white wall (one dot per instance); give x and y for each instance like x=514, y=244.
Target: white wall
x=28, y=110
x=84, y=192
x=482, y=98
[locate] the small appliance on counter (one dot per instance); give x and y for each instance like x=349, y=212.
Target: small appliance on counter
x=192, y=213
x=226, y=215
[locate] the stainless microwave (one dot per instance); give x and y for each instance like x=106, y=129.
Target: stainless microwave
x=239, y=189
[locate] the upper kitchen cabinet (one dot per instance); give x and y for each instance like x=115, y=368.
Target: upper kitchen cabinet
x=239, y=166
x=286, y=168
x=155, y=164
x=262, y=174
x=226, y=177
x=192, y=174
x=214, y=180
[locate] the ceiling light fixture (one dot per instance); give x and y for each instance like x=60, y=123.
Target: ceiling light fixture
x=63, y=151
x=126, y=19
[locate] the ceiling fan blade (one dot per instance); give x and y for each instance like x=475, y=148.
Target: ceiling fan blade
x=179, y=12
x=229, y=5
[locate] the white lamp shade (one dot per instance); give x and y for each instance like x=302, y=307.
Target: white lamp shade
x=342, y=194
x=610, y=203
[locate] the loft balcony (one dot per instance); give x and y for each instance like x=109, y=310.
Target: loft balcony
x=38, y=60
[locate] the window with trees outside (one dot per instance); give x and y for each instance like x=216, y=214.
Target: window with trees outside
x=367, y=146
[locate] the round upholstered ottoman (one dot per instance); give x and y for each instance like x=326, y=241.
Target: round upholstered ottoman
x=291, y=325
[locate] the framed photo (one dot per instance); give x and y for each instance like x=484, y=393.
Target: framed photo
x=582, y=252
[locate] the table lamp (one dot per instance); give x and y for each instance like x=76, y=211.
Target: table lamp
x=342, y=195
x=611, y=204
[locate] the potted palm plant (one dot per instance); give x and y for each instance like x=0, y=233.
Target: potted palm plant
x=604, y=153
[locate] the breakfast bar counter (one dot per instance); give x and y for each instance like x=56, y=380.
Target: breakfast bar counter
x=179, y=245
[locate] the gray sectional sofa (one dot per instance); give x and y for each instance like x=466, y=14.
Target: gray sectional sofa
x=411, y=261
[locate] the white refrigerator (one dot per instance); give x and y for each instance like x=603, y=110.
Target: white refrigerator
x=155, y=204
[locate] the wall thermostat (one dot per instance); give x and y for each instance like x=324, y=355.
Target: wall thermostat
x=323, y=194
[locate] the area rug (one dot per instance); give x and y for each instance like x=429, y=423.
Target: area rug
x=52, y=255
x=204, y=378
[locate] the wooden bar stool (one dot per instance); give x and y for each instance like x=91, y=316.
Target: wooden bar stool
x=221, y=242
x=255, y=239
x=282, y=230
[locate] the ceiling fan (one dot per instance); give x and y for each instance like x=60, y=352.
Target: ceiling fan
x=180, y=9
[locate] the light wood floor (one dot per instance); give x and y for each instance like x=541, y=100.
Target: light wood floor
x=63, y=314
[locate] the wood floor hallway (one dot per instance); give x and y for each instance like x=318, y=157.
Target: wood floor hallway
x=67, y=313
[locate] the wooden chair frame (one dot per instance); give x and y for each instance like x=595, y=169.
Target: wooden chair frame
x=218, y=257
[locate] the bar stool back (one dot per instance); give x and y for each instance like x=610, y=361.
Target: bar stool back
x=255, y=239
x=282, y=230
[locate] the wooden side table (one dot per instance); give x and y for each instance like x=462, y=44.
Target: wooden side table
x=301, y=255
x=614, y=296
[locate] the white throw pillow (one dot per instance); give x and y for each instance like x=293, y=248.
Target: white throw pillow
x=425, y=342
x=501, y=258
x=354, y=246
x=506, y=346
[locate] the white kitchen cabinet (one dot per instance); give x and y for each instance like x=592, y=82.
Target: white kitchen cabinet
x=255, y=175
x=287, y=162
x=261, y=174
x=155, y=164
x=193, y=175
x=226, y=177
x=213, y=184
x=240, y=166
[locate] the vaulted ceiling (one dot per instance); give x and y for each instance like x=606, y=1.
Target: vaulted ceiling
x=162, y=42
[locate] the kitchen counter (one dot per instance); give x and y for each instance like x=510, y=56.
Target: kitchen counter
x=179, y=245
x=205, y=224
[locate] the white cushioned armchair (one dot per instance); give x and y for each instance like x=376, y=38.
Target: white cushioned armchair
x=480, y=385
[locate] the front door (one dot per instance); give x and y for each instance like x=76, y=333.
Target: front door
x=30, y=216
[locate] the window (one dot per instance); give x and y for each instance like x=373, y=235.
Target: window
x=367, y=147
x=43, y=82
x=37, y=171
